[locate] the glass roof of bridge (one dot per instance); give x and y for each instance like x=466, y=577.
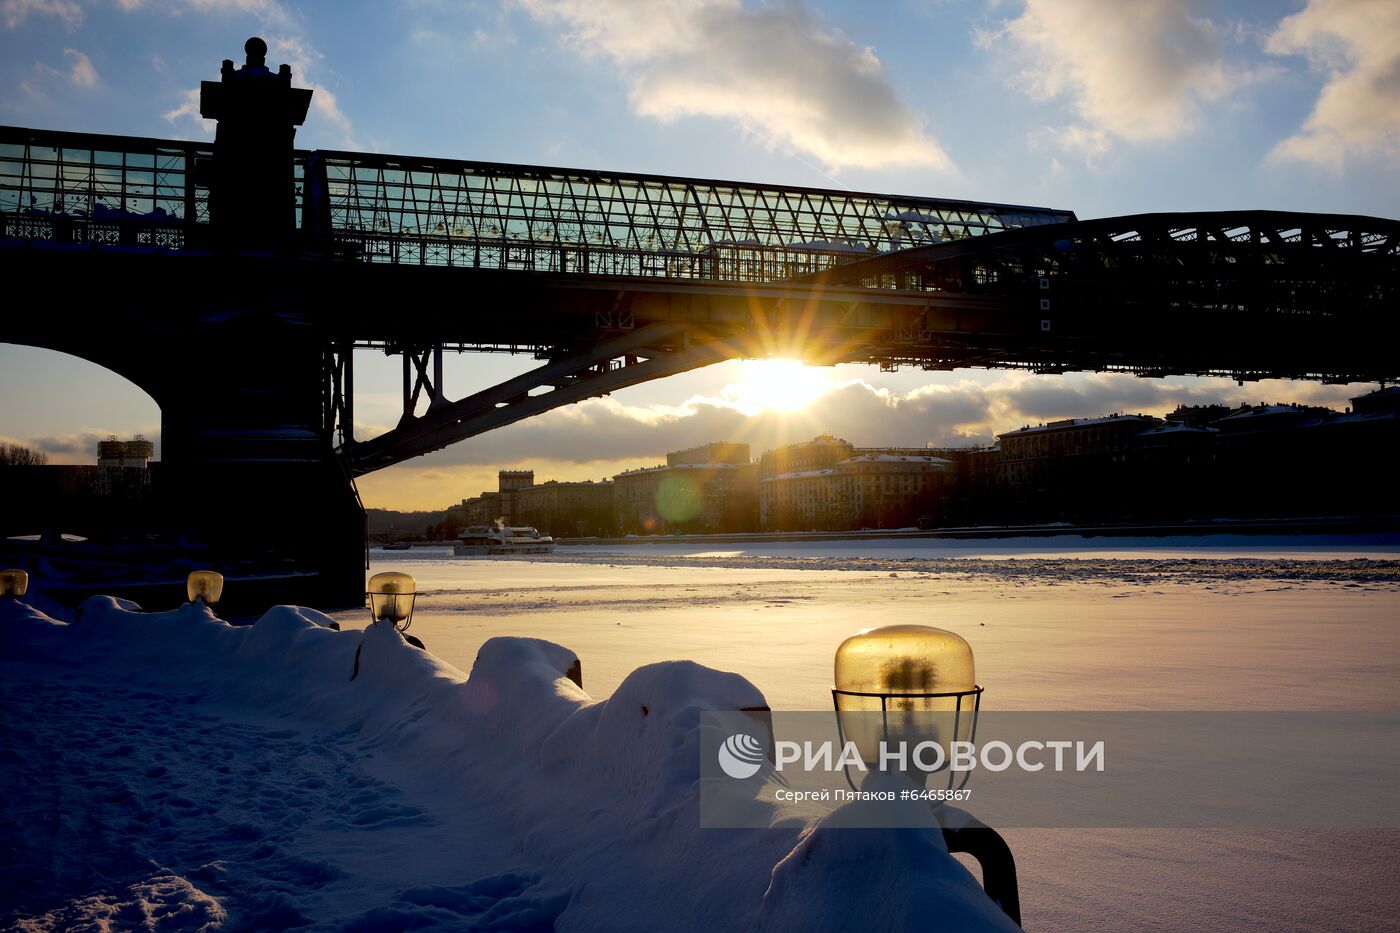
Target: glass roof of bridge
x=528, y=204
x=406, y=210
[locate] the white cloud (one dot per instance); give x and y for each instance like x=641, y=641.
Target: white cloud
x=285, y=44
x=779, y=72
x=1357, y=43
x=1131, y=71
x=188, y=109
x=81, y=73
x=15, y=12
x=305, y=61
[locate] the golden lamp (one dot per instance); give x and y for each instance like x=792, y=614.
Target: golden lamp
x=391, y=595
x=13, y=583
x=906, y=684
x=204, y=586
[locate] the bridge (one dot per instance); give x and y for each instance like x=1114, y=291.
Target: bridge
x=234, y=281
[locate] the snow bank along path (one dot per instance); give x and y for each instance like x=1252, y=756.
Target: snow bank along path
x=171, y=770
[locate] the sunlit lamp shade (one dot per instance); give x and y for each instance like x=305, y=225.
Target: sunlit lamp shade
x=391, y=595
x=13, y=583
x=905, y=683
x=204, y=586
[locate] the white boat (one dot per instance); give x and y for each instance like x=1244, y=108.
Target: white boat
x=488, y=540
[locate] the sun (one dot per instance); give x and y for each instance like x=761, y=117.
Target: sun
x=776, y=385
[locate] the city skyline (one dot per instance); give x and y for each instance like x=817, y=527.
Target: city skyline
x=1075, y=105
x=964, y=444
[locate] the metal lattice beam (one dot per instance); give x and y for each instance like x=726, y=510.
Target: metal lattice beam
x=611, y=365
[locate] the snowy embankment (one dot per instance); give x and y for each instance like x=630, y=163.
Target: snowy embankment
x=583, y=815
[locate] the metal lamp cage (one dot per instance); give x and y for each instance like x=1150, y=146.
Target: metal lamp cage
x=971, y=699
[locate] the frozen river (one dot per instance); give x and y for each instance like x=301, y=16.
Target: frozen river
x=1077, y=627
x=1090, y=624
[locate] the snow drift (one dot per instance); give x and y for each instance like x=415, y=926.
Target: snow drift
x=602, y=796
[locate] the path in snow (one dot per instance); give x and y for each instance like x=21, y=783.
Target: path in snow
x=128, y=806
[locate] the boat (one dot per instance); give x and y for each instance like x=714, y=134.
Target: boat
x=393, y=542
x=493, y=540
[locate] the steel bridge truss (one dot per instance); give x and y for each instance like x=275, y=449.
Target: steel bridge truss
x=650, y=352
x=1249, y=294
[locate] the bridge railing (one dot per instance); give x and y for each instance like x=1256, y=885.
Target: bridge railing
x=90, y=188
x=722, y=262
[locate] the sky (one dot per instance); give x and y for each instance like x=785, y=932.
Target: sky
x=1098, y=106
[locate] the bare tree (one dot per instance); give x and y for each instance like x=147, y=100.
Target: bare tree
x=19, y=455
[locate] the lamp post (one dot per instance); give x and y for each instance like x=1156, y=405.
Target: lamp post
x=204, y=587
x=913, y=684
x=13, y=583
x=391, y=595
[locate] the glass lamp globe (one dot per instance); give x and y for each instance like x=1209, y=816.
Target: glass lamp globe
x=204, y=586
x=391, y=596
x=13, y=583
x=905, y=683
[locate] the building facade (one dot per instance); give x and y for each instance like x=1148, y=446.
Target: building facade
x=683, y=497
x=820, y=453
x=714, y=452
x=871, y=490
x=569, y=509
x=491, y=507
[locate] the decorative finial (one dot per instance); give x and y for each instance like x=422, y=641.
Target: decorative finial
x=257, y=52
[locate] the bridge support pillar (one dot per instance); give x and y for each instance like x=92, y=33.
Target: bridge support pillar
x=249, y=470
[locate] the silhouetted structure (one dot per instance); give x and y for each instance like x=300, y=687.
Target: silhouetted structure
x=251, y=190
x=609, y=279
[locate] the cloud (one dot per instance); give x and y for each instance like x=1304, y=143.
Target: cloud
x=188, y=108
x=961, y=413
x=285, y=44
x=779, y=72
x=305, y=61
x=1131, y=71
x=1357, y=44
x=76, y=446
x=81, y=73
x=15, y=12
x=601, y=437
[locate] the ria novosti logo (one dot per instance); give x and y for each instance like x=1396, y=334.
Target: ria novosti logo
x=741, y=756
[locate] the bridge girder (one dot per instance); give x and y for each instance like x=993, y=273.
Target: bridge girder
x=1245, y=294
